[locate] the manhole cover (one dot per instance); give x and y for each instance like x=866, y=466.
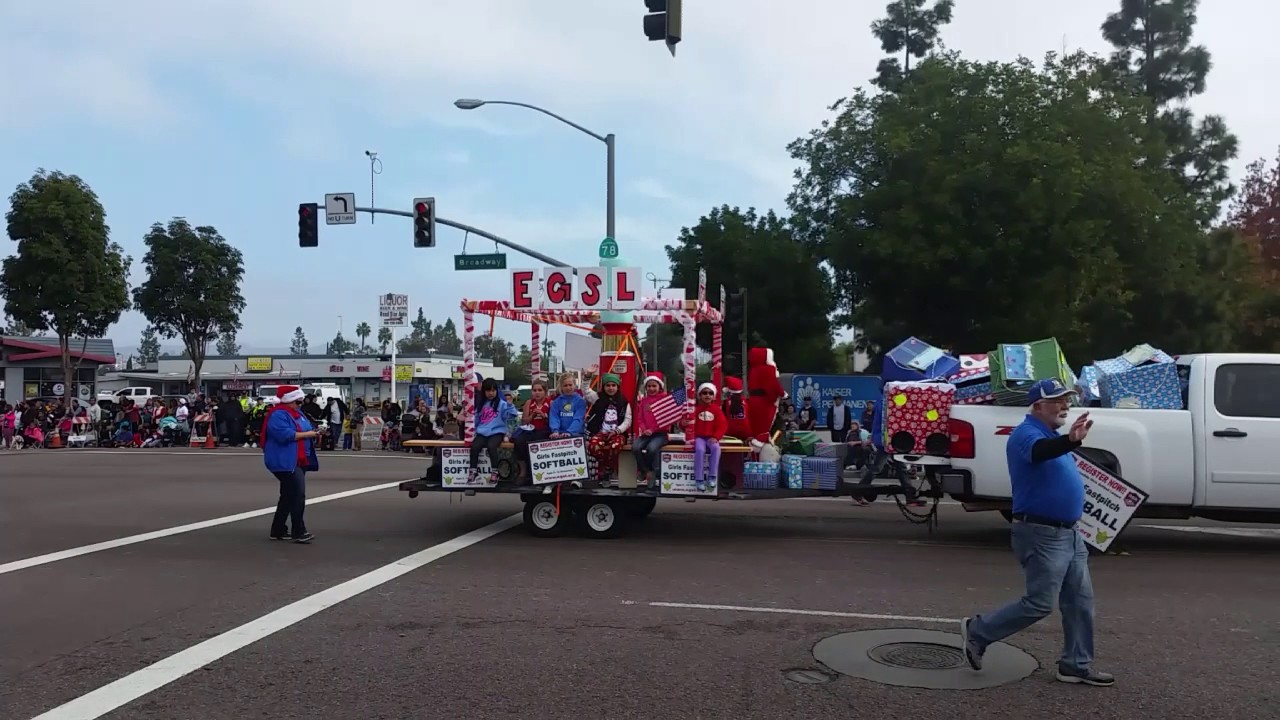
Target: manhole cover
x=929, y=659
x=808, y=677
x=918, y=656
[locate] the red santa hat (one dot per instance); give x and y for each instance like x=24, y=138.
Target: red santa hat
x=732, y=385
x=289, y=393
x=654, y=377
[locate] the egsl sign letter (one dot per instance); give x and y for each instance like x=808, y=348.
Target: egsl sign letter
x=553, y=461
x=587, y=289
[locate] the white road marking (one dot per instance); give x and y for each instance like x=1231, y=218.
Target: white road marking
x=795, y=611
x=113, y=695
x=1230, y=531
x=167, y=532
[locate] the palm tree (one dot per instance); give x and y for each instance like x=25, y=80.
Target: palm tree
x=384, y=337
x=363, y=331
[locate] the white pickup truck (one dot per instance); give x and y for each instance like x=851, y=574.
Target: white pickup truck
x=137, y=394
x=1218, y=459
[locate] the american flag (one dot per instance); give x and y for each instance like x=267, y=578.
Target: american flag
x=669, y=409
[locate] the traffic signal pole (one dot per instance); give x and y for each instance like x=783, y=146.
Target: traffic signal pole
x=475, y=231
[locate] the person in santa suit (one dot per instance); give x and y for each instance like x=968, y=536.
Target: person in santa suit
x=764, y=392
x=735, y=410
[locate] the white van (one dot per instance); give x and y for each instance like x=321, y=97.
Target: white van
x=322, y=391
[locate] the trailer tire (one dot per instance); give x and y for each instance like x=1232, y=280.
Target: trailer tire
x=639, y=508
x=541, y=519
x=601, y=518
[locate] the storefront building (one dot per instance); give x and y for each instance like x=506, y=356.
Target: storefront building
x=367, y=377
x=31, y=367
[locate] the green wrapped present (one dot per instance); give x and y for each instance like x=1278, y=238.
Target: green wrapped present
x=801, y=442
x=1015, y=367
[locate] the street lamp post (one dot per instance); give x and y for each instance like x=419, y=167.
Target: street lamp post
x=609, y=145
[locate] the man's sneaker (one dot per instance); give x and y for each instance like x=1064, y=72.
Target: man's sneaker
x=971, y=652
x=283, y=536
x=304, y=538
x=1088, y=677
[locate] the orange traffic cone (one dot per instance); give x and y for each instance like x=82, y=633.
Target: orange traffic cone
x=55, y=439
x=210, y=442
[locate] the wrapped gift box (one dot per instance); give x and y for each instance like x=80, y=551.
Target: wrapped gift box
x=793, y=470
x=915, y=360
x=1154, y=386
x=801, y=442
x=820, y=473
x=973, y=380
x=761, y=475
x=975, y=394
x=1016, y=367
x=1136, y=356
x=1088, y=385
x=917, y=417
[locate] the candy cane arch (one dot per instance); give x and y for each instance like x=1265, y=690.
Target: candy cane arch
x=686, y=313
x=469, y=372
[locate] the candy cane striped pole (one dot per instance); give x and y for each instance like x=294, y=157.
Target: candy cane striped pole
x=690, y=373
x=535, y=351
x=717, y=355
x=469, y=373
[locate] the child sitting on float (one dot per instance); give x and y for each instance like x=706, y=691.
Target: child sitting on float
x=607, y=424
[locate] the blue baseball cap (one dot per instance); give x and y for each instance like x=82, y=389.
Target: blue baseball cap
x=1048, y=390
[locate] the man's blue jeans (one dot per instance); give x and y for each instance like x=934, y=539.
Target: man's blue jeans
x=1055, y=562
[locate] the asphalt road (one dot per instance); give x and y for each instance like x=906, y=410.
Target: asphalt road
x=218, y=622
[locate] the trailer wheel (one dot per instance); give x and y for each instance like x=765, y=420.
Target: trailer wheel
x=601, y=519
x=639, y=508
x=541, y=519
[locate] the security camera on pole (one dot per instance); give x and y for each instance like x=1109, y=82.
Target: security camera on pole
x=393, y=313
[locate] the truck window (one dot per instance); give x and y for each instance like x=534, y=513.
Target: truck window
x=1247, y=390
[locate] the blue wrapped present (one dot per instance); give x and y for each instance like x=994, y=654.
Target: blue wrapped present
x=1154, y=386
x=793, y=470
x=1136, y=356
x=975, y=393
x=915, y=360
x=820, y=473
x=1088, y=385
x=760, y=475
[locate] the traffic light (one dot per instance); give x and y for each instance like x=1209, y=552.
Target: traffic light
x=308, y=225
x=663, y=22
x=424, y=222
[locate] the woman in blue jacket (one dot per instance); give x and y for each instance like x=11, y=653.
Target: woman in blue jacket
x=492, y=414
x=288, y=449
x=568, y=409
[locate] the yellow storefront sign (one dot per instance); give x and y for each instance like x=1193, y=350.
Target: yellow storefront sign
x=404, y=373
x=258, y=364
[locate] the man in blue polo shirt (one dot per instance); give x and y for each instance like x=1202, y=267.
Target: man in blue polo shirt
x=1048, y=500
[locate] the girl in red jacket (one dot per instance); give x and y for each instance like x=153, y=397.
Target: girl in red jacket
x=709, y=426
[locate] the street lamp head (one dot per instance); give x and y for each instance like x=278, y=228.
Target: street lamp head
x=467, y=103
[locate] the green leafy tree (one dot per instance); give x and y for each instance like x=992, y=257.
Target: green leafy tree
x=1154, y=55
x=548, y=356
x=445, y=338
x=385, y=336
x=518, y=372
x=502, y=354
x=909, y=28
x=192, y=291
x=1255, y=217
x=66, y=277
x=363, y=331
x=670, y=339
x=421, y=338
x=17, y=328
x=227, y=344
x=789, y=296
x=148, y=345
x=298, y=346
x=1002, y=202
x=339, y=345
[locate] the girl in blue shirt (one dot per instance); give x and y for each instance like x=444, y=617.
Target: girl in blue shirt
x=568, y=409
x=492, y=413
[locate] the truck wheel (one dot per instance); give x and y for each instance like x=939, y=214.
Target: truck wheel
x=639, y=508
x=1007, y=515
x=542, y=520
x=601, y=519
